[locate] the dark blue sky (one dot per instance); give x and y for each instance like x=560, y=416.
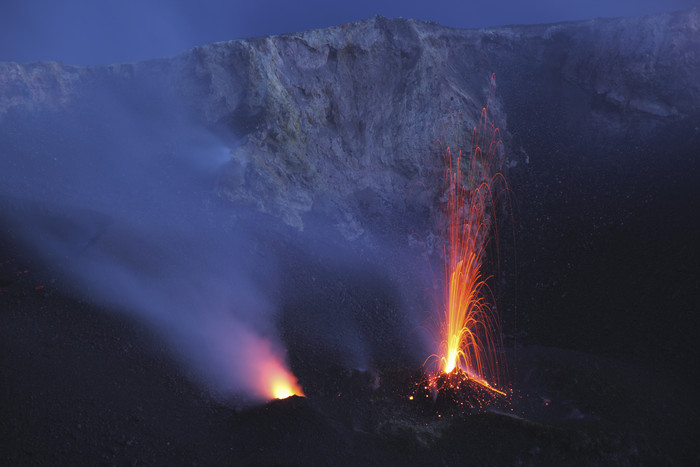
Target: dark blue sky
x=87, y=32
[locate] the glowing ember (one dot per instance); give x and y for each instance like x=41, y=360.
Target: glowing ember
x=468, y=326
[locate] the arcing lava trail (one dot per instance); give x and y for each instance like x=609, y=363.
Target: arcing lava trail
x=469, y=330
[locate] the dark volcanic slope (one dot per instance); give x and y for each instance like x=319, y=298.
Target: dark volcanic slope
x=81, y=385
x=329, y=134
x=611, y=125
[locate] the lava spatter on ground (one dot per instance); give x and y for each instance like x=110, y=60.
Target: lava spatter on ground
x=457, y=389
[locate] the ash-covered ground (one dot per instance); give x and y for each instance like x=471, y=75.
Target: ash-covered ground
x=83, y=386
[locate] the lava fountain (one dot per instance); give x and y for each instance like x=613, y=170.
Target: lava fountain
x=467, y=322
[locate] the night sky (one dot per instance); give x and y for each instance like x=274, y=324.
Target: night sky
x=93, y=32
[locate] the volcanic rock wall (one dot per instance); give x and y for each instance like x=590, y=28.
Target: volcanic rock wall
x=341, y=123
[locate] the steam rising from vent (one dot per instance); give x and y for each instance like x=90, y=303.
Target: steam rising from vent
x=121, y=203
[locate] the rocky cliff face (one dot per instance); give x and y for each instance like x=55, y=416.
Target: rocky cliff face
x=603, y=80
x=342, y=122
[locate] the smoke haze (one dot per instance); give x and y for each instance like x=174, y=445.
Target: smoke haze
x=119, y=198
x=122, y=202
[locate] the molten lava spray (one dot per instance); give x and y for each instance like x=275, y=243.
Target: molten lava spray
x=468, y=325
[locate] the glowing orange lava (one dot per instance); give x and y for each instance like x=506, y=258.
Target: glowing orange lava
x=467, y=323
x=279, y=383
x=468, y=326
x=255, y=364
